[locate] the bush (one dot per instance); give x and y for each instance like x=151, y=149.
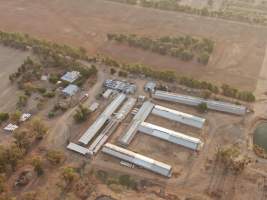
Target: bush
x=112, y=71
x=202, y=107
x=38, y=166
x=123, y=74
x=55, y=157
x=49, y=94
x=126, y=180
x=22, y=101
x=4, y=117
x=51, y=114
x=81, y=114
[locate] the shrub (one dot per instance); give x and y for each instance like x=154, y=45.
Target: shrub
x=55, y=157
x=4, y=117
x=202, y=107
x=123, y=74
x=81, y=114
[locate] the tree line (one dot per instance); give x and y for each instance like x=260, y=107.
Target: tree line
x=185, y=48
x=172, y=5
x=171, y=76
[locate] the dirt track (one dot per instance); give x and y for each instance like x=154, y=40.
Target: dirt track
x=237, y=59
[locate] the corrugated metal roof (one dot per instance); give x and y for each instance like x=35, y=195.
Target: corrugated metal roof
x=170, y=135
x=195, y=101
x=71, y=89
x=178, y=116
x=77, y=148
x=71, y=76
x=100, y=121
x=138, y=159
x=141, y=115
x=126, y=108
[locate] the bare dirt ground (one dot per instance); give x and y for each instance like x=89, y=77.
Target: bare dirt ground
x=237, y=58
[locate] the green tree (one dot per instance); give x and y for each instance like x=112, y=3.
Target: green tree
x=38, y=166
x=202, y=107
x=81, y=114
x=55, y=157
x=15, y=116
x=22, y=101
x=39, y=128
x=4, y=117
x=69, y=175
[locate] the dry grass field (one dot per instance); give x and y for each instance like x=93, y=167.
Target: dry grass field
x=237, y=59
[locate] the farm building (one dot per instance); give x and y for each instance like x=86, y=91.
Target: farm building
x=177, y=116
x=126, y=108
x=77, y=148
x=121, y=86
x=141, y=116
x=170, y=136
x=195, y=101
x=137, y=159
x=71, y=76
x=107, y=93
x=70, y=90
x=101, y=120
x=150, y=86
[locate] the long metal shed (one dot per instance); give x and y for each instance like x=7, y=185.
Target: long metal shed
x=178, y=116
x=195, y=101
x=170, y=136
x=100, y=121
x=78, y=149
x=140, y=116
x=137, y=159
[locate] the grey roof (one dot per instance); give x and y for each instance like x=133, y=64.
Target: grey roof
x=70, y=90
x=138, y=159
x=150, y=86
x=77, y=148
x=178, y=116
x=170, y=135
x=126, y=108
x=195, y=101
x=71, y=76
x=121, y=86
x=141, y=116
x=100, y=121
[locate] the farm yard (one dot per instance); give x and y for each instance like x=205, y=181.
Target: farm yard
x=110, y=116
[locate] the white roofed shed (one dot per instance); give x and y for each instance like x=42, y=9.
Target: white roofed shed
x=170, y=136
x=195, y=101
x=180, y=117
x=137, y=159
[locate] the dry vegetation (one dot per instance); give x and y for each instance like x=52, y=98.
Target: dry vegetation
x=34, y=160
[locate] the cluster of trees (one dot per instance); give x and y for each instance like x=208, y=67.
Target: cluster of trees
x=235, y=93
x=172, y=5
x=24, y=42
x=193, y=83
x=185, y=48
x=11, y=155
x=171, y=76
x=81, y=114
x=232, y=159
x=124, y=180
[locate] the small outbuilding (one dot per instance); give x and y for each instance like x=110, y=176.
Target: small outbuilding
x=70, y=90
x=150, y=86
